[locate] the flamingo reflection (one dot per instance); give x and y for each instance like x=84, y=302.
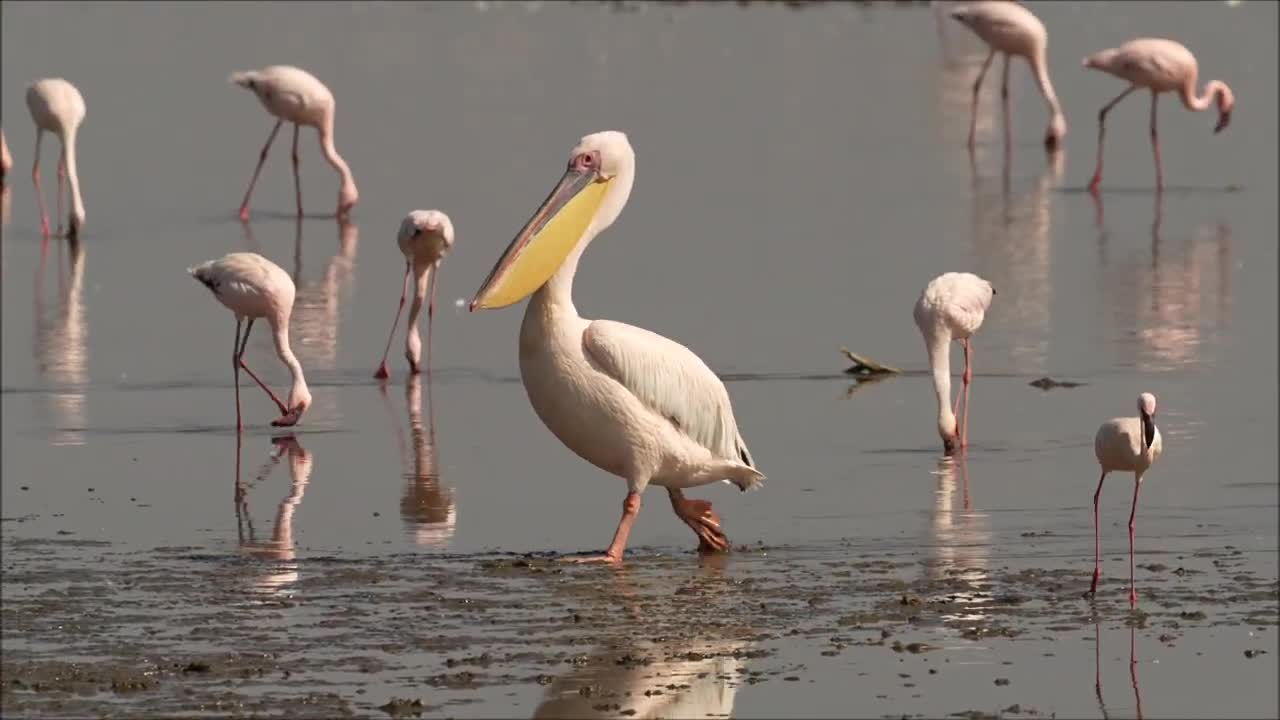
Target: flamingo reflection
x=428, y=507
x=316, y=309
x=960, y=540
x=1013, y=238
x=1174, y=314
x=61, y=345
x=687, y=677
x=1133, y=668
x=280, y=548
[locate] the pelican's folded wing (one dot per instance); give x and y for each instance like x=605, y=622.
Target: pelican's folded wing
x=670, y=380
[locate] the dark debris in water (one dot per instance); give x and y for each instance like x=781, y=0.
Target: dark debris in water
x=1048, y=383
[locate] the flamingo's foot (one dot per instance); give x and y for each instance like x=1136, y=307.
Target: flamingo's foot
x=44, y=227
x=704, y=522
x=1133, y=598
x=244, y=214
x=382, y=373
x=1094, y=183
x=606, y=558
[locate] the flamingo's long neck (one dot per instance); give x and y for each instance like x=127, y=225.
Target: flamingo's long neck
x=1040, y=65
x=280, y=334
x=69, y=148
x=331, y=154
x=1215, y=89
x=939, y=344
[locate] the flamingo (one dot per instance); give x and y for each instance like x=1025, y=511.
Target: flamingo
x=295, y=95
x=252, y=287
x=1128, y=444
x=1012, y=29
x=951, y=307
x=6, y=160
x=1160, y=66
x=629, y=401
x=425, y=237
x=57, y=106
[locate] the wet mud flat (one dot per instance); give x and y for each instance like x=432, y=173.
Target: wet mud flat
x=89, y=631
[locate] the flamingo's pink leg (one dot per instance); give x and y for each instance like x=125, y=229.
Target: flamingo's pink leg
x=244, y=344
x=62, y=179
x=262, y=158
x=1155, y=142
x=431, y=310
x=235, y=365
x=1133, y=592
x=968, y=380
x=297, y=177
x=35, y=178
x=1097, y=547
x=1102, y=131
x=382, y=373
x=1004, y=102
x=977, y=86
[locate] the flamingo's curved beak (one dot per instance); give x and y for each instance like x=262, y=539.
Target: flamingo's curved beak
x=1224, y=119
x=289, y=419
x=949, y=446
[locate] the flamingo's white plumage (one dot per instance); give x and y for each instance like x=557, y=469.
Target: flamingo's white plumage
x=6, y=160
x=295, y=95
x=1125, y=444
x=951, y=307
x=253, y=287
x=58, y=107
x=627, y=400
x=425, y=238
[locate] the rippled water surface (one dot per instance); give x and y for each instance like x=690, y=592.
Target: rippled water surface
x=801, y=175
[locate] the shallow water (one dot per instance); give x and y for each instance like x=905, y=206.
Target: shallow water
x=802, y=175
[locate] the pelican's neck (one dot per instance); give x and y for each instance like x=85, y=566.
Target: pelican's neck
x=1214, y=90
x=280, y=334
x=939, y=344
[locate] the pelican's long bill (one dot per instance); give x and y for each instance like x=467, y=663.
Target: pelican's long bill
x=545, y=241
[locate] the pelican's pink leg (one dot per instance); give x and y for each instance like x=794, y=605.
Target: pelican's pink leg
x=1097, y=547
x=382, y=373
x=262, y=158
x=977, y=86
x=35, y=178
x=297, y=177
x=1155, y=142
x=697, y=514
x=1102, y=131
x=630, y=509
x=1133, y=592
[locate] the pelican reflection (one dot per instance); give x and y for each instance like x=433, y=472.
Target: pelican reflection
x=1133, y=668
x=62, y=344
x=428, y=507
x=682, y=677
x=1173, y=303
x=279, y=550
x=960, y=540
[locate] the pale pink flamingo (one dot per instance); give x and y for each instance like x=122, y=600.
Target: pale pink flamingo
x=57, y=106
x=1160, y=66
x=1012, y=29
x=252, y=287
x=425, y=238
x=6, y=160
x=1127, y=444
x=951, y=307
x=295, y=95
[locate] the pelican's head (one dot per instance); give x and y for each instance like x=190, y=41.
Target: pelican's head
x=431, y=226
x=586, y=200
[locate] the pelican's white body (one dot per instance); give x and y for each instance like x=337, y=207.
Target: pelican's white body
x=58, y=107
x=629, y=401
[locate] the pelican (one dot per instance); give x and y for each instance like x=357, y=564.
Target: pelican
x=626, y=400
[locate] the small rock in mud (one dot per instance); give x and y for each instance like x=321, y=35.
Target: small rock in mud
x=198, y=666
x=397, y=707
x=1048, y=383
x=1192, y=615
x=1254, y=652
x=1002, y=681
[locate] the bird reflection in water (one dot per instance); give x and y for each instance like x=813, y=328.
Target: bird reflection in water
x=687, y=677
x=1012, y=235
x=428, y=507
x=956, y=74
x=960, y=542
x=61, y=345
x=1170, y=319
x=282, y=569
x=1133, y=667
